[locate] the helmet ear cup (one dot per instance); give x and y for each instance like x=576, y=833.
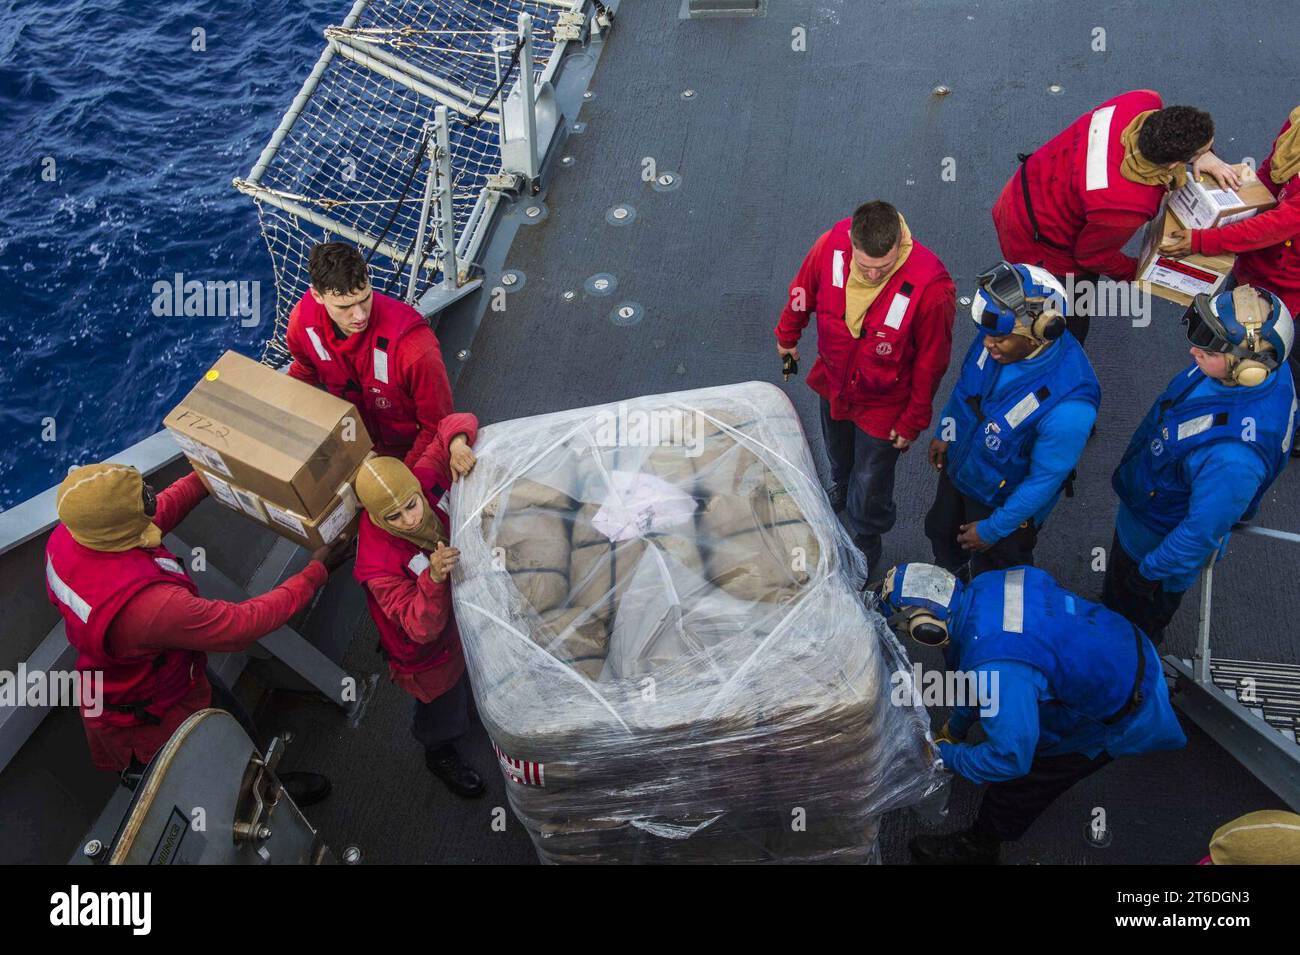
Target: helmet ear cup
x=1249, y=373
x=927, y=629
x=1049, y=326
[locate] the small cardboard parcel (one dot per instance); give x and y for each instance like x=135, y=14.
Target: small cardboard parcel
x=667, y=640
x=1178, y=279
x=1205, y=205
x=274, y=448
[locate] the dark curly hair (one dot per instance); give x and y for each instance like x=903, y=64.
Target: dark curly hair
x=337, y=268
x=1175, y=134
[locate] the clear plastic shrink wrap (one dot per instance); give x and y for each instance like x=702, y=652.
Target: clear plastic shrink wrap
x=666, y=639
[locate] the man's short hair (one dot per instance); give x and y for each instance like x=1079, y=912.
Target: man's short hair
x=1175, y=134
x=337, y=268
x=875, y=229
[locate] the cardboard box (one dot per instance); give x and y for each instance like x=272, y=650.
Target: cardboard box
x=270, y=435
x=338, y=518
x=1203, y=205
x=1178, y=280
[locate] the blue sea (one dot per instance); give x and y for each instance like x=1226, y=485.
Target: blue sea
x=122, y=140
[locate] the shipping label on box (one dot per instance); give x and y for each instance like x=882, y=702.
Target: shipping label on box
x=1204, y=205
x=1178, y=279
x=338, y=519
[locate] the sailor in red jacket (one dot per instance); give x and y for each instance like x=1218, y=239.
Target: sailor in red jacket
x=885, y=307
x=372, y=350
x=133, y=614
x=403, y=564
x=1268, y=255
x=1075, y=202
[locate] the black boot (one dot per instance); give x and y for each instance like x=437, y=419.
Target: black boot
x=872, y=548
x=956, y=848
x=456, y=774
x=305, y=789
x=839, y=497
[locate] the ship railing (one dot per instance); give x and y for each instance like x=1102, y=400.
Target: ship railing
x=1250, y=708
x=418, y=117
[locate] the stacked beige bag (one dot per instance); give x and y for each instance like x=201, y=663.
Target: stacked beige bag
x=666, y=640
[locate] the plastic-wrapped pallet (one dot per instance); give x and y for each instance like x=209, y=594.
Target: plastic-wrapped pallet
x=667, y=642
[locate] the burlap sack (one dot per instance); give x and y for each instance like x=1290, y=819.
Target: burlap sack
x=725, y=467
x=573, y=635
x=591, y=578
x=535, y=546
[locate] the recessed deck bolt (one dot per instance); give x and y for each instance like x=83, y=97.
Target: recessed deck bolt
x=509, y=278
x=351, y=855
x=570, y=296
x=462, y=355
x=566, y=161
x=601, y=284
x=688, y=94
x=1054, y=88
x=666, y=179
x=942, y=90
x=92, y=849
x=627, y=311
x=533, y=212
x=588, y=94
x=620, y=213
x=964, y=300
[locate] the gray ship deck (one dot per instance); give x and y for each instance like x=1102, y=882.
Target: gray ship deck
x=773, y=147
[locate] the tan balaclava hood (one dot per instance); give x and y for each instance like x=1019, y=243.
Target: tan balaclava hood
x=1268, y=837
x=1286, y=152
x=102, y=505
x=859, y=294
x=385, y=485
x=1137, y=168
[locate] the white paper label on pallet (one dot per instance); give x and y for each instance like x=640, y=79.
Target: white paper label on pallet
x=641, y=504
x=333, y=525
x=224, y=492
x=286, y=519
x=250, y=503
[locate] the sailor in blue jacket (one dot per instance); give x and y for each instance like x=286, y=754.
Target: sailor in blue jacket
x=1014, y=429
x=1065, y=685
x=1204, y=455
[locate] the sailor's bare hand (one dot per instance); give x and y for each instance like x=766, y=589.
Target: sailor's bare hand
x=1179, y=243
x=938, y=454
x=441, y=561
x=335, y=555
x=969, y=538
x=788, y=351
x=1222, y=173
x=462, y=457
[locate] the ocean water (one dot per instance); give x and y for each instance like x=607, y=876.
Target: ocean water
x=122, y=139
